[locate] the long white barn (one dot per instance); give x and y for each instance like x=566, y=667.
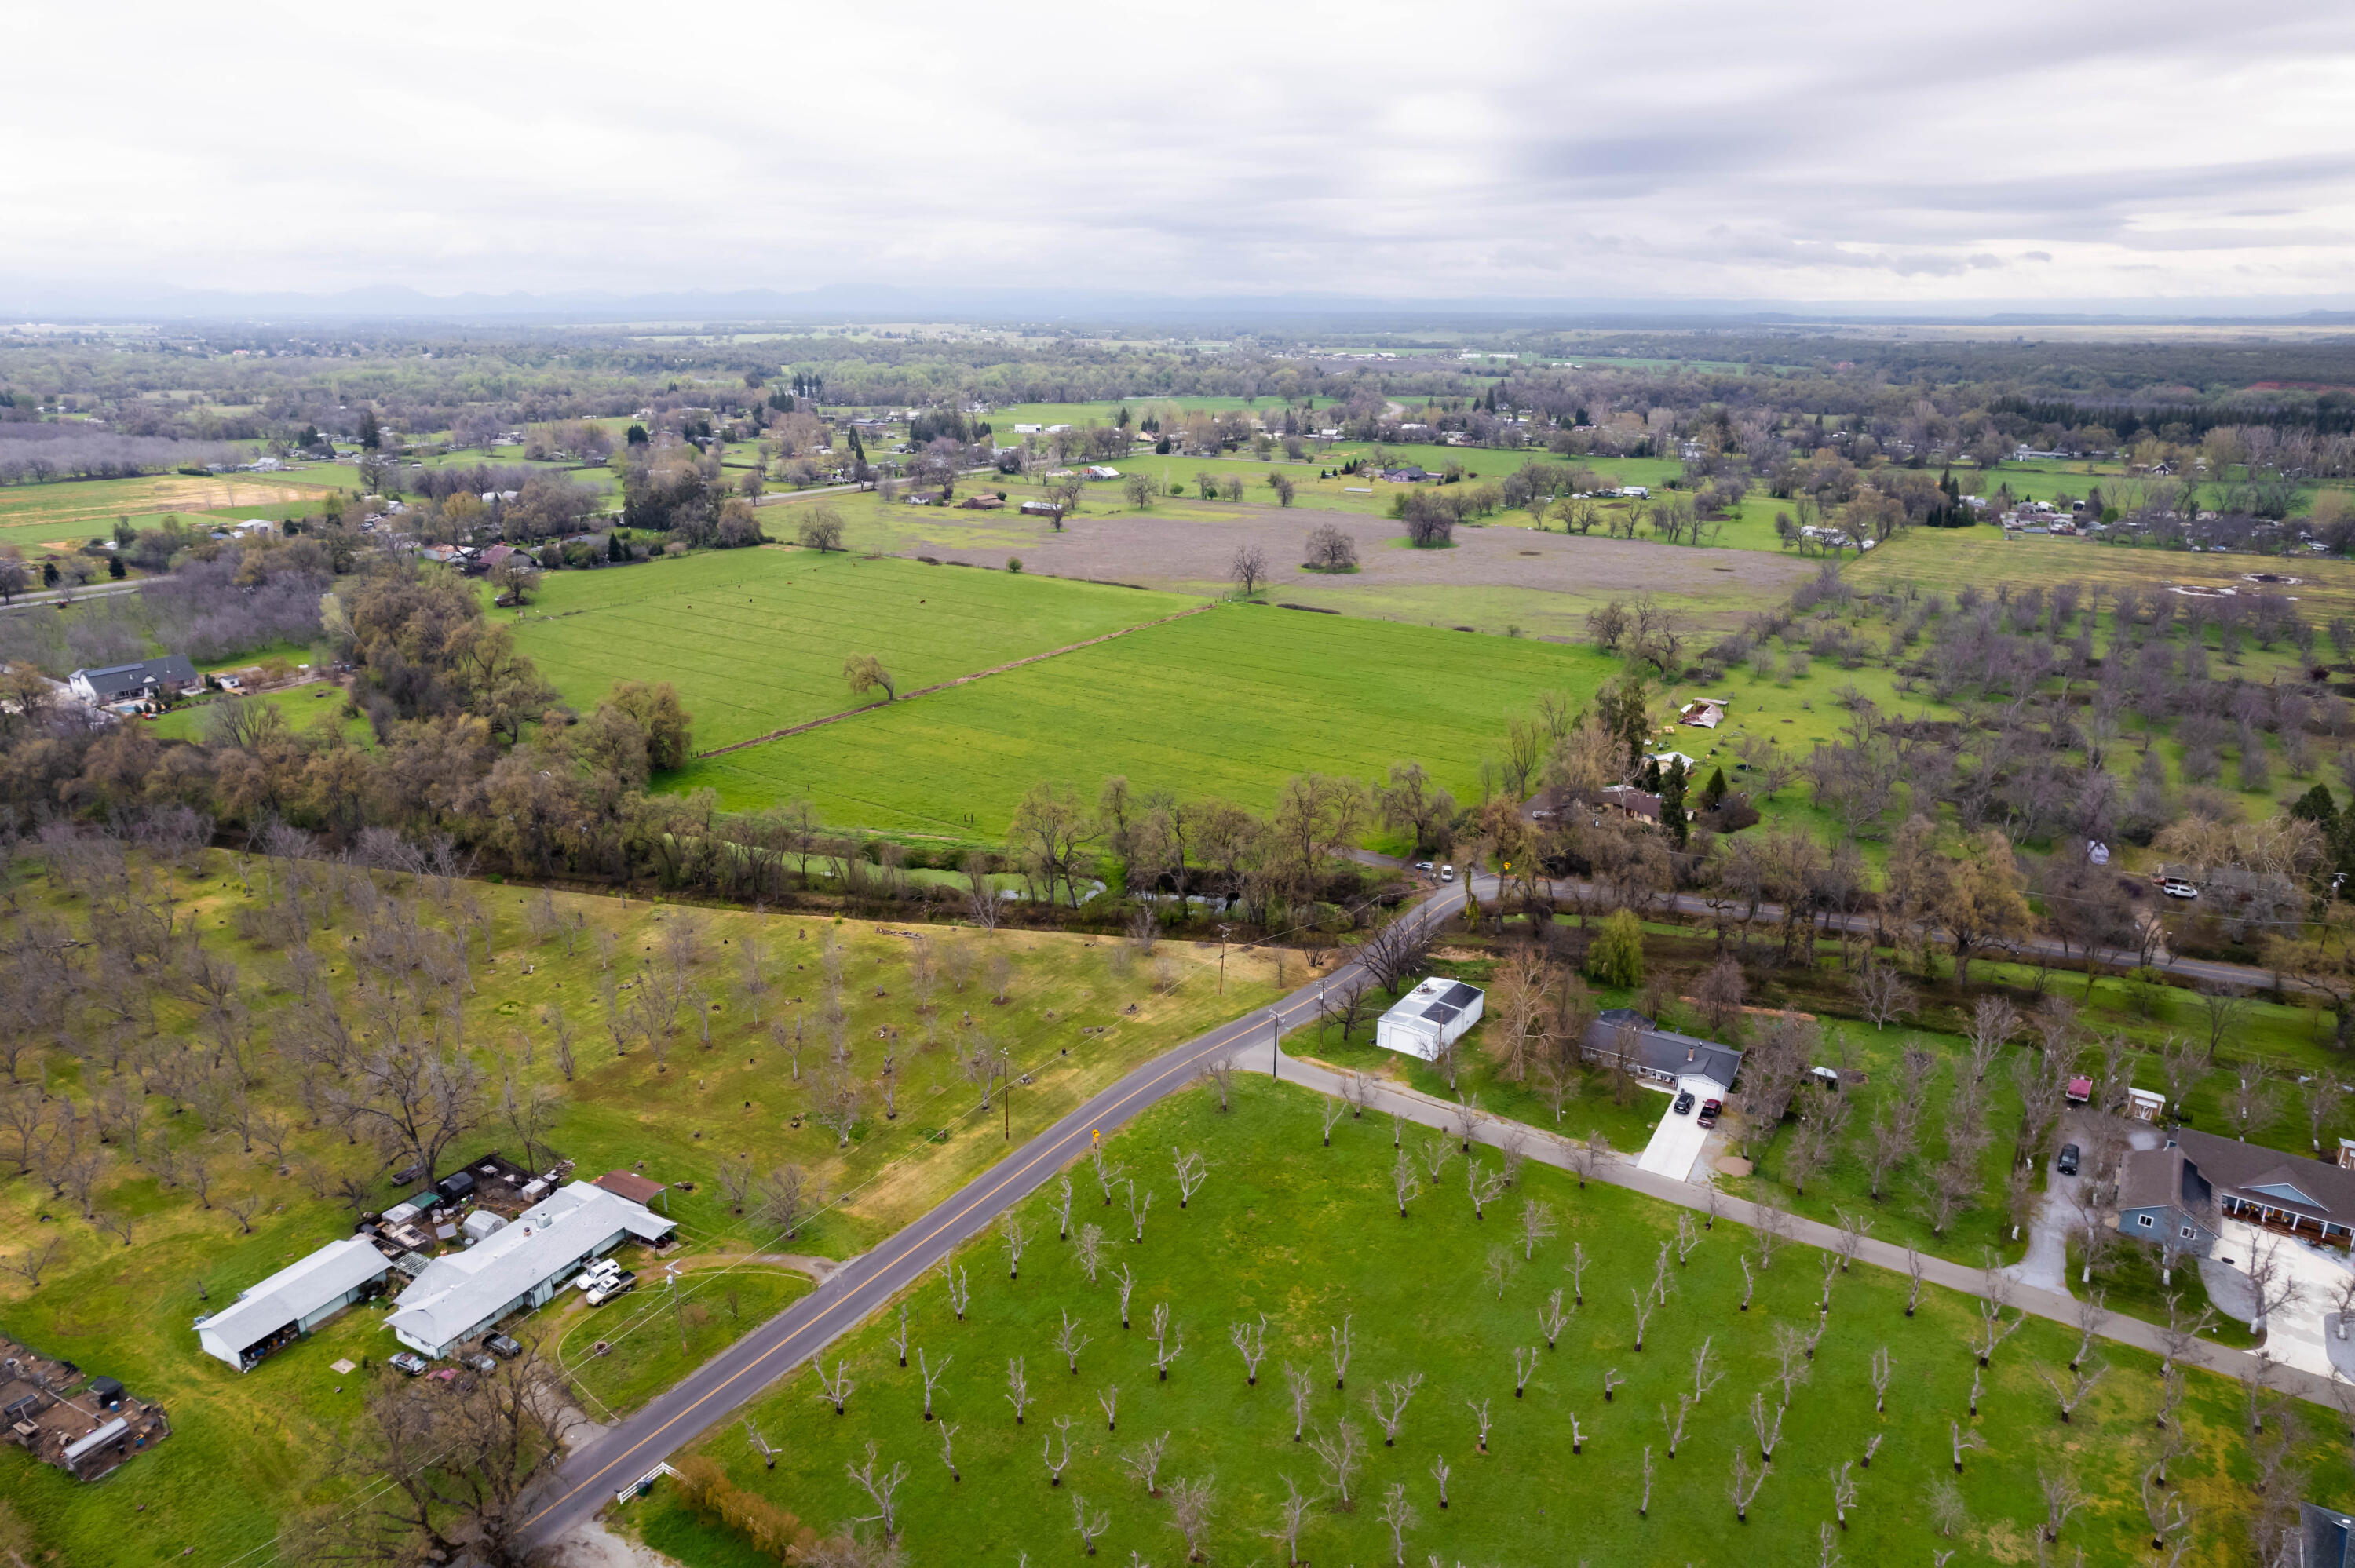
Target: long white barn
x=464, y=1294
x=292, y=1302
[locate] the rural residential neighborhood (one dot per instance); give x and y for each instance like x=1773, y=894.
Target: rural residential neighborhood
x=1265, y=796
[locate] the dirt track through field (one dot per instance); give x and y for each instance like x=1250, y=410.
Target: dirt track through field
x=1544, y=582
x=944, y=685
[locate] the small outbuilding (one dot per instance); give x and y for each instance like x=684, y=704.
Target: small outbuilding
x=292, y=1302
x=629, y=1184
x=1430, y=1018
x=522, y=1266
x=482, y=1223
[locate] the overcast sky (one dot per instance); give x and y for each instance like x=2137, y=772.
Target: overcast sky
x=1824, y=150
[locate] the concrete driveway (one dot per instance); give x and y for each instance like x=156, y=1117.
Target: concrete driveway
x=2297, y=1333
x=1677, y=1142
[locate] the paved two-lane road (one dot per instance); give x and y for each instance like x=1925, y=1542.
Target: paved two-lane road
x=634, y=1446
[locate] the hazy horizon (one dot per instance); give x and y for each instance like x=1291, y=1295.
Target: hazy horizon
x=2009, y=157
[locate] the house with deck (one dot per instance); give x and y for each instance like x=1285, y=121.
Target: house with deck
x=2181, y=1193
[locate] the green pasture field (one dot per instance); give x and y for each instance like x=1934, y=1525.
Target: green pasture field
x=249, y=1450
x=306, y=707
x=1080, y=416
x=645, y=1353
x=1936, y=558
x=754, y=640
x=1310, y=1236
x=1186, y=543
x=1224, y=704
x=70, y=511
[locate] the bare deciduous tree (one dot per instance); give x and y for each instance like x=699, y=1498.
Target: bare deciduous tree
x=1676, y=1426
x=1767, y=1424
x=1169, y=1340
x=1247, y=569
x=1250, y=1340
x=1843, y=1491
x=1137, y=1209
x=1014, y=1234
x=1055, y=1461
x=1089, y=1252
x=1537, y=1225
x=931, y=1375
x=1399, y=1516
x=1292, y=1513
x=1388, y=1404
x=836, y=1389
x=1143, y=1463
x=1551, y=1317
x=2062, y=1498
x=1089, y=1527
x=1190, y=1513
x=1070, y=1341
x=2081, y=1383
x=1191, y=1173
x=1302, y=1389
x=1017, y=1387
x=879, y=1485
x=1746, y=1482
x=1124, y=1281
x=1342, y=1450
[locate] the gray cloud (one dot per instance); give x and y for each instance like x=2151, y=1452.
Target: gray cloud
x=1833, y=149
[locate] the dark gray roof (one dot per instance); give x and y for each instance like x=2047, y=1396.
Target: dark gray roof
x=2327, y=1531
x=2162, y=1178
x=2253, y=1174
x=133, y=680
x=1662, y=1050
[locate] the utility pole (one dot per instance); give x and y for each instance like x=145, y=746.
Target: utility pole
x=1274, y=1042
x=1005, y=1071
x=1223, y=959
x=677, y=1309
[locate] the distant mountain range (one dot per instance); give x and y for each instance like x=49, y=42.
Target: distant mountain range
x=56, y=303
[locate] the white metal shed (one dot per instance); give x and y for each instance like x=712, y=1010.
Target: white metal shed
x=1428, y=1019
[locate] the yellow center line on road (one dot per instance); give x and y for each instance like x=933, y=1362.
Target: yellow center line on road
x=1237, y=1028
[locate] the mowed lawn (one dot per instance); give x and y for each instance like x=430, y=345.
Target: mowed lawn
x=1226, y=703
x=755, y=639
x=1307, y=1238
